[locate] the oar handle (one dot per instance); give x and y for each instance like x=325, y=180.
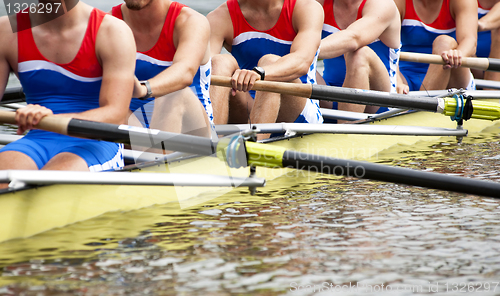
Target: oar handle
x=487, y=64
x=49, y=123
x=292, y=89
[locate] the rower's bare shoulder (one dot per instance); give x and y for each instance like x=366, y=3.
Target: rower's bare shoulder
x=308, y=8
x=6, y=27
x=114, y=35
x=189, y=16
x=401, y=5
x=220, y=15
x=307, y=13
x=7, y=31
x=221, y=24
x=114, y=29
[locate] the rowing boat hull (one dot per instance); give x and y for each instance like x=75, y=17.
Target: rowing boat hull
x=27, y=212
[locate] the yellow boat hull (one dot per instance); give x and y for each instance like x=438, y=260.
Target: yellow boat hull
x=28, y=212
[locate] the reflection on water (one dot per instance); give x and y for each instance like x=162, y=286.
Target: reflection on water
x=330, y=236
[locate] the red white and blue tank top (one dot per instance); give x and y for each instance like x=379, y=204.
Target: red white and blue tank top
x=484, y=37
x=155, y=60
x=335, y=69
x=417, y=36
x=250, y=44
x=63, y=88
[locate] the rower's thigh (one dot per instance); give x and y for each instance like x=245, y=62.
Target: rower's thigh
x=15, y=160
x=180, y=112
x=460, y=78
x=66, y=161
x=291, y=107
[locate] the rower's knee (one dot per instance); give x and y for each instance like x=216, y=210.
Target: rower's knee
x=224, y=64
x=268, y=59
x=443, y=43
x=360, y=59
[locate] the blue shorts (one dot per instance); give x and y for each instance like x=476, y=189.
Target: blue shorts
x=41, y=146
x=415, y=80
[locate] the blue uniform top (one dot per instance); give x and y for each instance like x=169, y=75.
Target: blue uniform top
x=484, y=37
x=160, y=57
x=250, y=45
x=335, y=69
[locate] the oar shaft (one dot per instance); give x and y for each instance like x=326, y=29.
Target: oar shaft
x=375, y=98
x=292, y=89
x=486, y=64
x=385, y=173
x=13, y=95
x=339, y=94
x=121, y=134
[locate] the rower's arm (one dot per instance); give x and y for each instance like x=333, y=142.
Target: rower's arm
x=491, y=20
x=465, y=12
x=379, y=16
x=308, y=21
x=221, y=29
x=115, y=49
x=6, y=35
x=191, y=37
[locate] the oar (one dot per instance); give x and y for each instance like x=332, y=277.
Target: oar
x=272, y=156
x=235, y=150
x=128, y=135
x=486, y=64
x=447, y=106
x=13, y=95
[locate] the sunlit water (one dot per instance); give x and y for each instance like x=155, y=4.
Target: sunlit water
x=332, y=236
x=323, y=237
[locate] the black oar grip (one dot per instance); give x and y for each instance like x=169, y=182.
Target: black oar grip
x=13, y=95
x=494, y=64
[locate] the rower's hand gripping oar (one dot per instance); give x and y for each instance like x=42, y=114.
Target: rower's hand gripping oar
x=450, y=106
x=485, y=64
x=225, y=148
x=237, y=153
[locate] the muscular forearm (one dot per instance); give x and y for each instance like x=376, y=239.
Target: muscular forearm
x=491, y=20
x=337, y=44
x=467, y=47
x=175, y=78
x=287, y=68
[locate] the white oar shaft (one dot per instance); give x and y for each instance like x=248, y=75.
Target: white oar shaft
x=474, y=63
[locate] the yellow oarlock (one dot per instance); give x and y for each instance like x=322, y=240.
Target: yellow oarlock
x=265, y=155
x=481, y=109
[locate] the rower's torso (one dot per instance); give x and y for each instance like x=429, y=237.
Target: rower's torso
x=262, y=18
x=148, y=36
x=487, y=4
x=346, y=12
x=58, y=44
x=428, y=11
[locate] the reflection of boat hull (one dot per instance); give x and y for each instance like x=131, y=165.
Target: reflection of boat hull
x=26, y=212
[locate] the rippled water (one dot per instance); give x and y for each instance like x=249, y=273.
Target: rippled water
x=332, y=235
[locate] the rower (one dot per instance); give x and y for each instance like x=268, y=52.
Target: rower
x=275, y=40
x=360, y=46
x=488, y=36
x=80, y=65
x=173, y=65
x=444, y=27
